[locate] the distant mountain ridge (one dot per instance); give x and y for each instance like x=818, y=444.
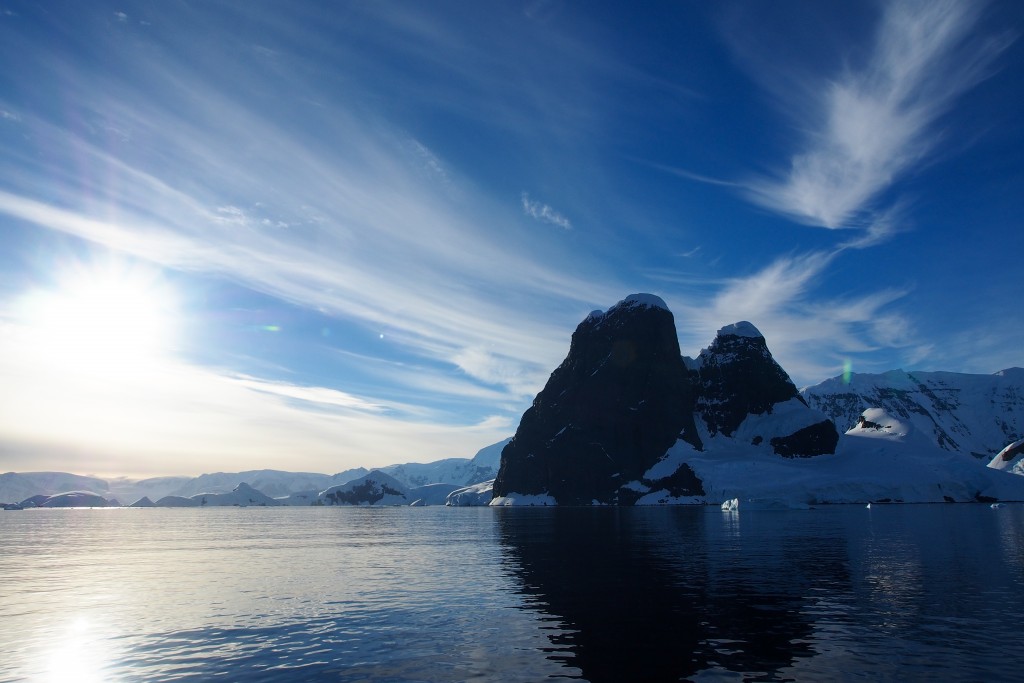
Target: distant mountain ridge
x=288, y=488
x=18, y=486
x=967, y=413
x=626, y=419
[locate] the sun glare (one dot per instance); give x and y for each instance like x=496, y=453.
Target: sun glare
x=98, y=318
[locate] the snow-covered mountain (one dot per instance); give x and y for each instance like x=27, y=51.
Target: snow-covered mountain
x=127, y=489
x=286, y=488
x=458, y=471
x=241, y=495
x=17, y=486
x=966, y=413
x=375, y=488
x=274, y=483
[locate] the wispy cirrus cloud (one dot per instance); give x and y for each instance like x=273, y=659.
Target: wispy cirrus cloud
x=379, y=232
x=810, y=335
x=544, y=213
x=871, y=124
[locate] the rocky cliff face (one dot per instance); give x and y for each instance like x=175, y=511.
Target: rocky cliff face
x=624, y=396
x=616, y=404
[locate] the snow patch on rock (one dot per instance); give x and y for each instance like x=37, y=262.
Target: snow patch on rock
x=877, y=423
x=644, y=300
x=1010, y=459
x=740, y=329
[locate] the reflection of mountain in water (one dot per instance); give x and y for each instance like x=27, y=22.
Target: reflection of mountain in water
x=662, y=594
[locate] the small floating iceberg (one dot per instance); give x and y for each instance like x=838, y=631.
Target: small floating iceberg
x=733, y=505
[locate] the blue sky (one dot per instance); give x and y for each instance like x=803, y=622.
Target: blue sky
x=311, y=236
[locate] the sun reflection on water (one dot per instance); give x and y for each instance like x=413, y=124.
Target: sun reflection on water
x=80, y=653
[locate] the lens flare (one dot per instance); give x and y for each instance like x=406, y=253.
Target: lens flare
x=847, y=371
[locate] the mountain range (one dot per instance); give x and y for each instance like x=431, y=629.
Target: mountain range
x=282, y=487
x=626, y=419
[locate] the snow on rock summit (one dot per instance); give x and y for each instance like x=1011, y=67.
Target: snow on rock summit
x=740, y=329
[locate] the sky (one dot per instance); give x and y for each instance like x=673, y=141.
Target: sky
x=309, y=236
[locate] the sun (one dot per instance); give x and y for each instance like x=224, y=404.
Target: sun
x=101, y=317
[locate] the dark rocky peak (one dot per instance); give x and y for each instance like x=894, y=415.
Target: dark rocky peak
x=616, y=404
x=739, y=377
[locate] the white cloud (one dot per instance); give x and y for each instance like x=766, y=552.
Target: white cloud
x=871, y=124
x=544, y=213
x=809, y=335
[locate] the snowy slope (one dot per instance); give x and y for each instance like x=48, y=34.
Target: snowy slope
x=975, y=414
x=431, y=494
x=489, y=457
x=176, y=502
x=300, y=498
x=891, y=463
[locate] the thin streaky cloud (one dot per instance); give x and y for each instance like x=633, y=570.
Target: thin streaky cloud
x=690, y=175
x=544, y=213
x=874, y=123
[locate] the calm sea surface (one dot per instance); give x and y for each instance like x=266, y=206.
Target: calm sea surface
x=913, y=592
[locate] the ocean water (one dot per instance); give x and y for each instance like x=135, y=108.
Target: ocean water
x=844, y=593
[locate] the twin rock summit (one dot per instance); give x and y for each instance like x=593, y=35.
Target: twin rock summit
x=625, y=396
